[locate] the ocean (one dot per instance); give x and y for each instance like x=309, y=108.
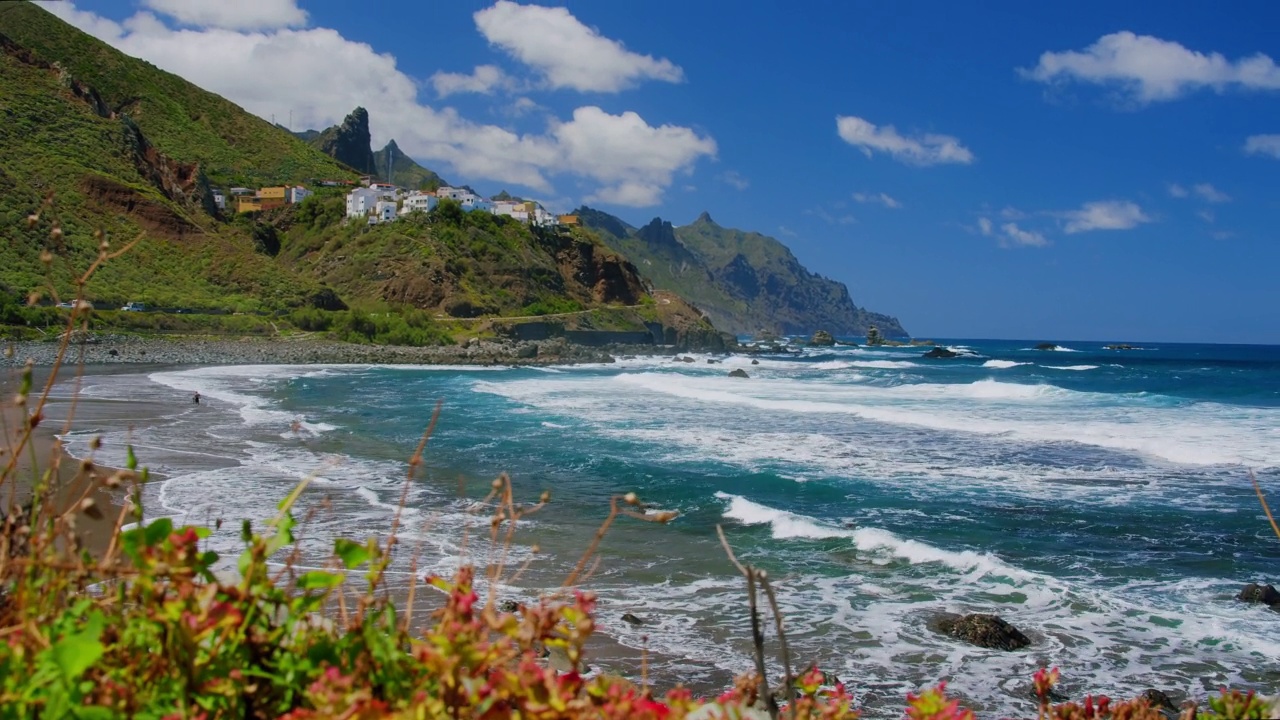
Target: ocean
x=1098, y=500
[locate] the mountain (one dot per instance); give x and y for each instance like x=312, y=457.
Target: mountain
x=350, y=142
x=745, y=282
x=98, y=146
x=405, y=172
x=98, y=142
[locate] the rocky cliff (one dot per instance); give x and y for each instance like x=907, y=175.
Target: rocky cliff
x=349, y=142
x=744, y=281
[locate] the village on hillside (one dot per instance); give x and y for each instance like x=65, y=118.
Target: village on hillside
x=377, y=202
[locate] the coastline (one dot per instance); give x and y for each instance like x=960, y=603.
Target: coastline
x=46, y=450
x=199, y=350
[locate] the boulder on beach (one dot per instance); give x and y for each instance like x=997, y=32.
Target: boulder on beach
x=941, y=352
x=1264, y=594
x=1157, y=699
x=981, y=629
x=508, y=606
x=739, y=373
x=822, y=338
x=631, y=619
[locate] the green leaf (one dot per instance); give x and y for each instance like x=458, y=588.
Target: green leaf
x=351, y=554
x=74, y=654
x=318, y=580
x=158, y=531
x=131, y=460
x=94, y=712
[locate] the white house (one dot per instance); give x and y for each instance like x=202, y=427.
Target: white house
x=297, y=194
x=451, y=192
x=360, y=201
x=385, y=210
x=219, y=200
x=422, y=202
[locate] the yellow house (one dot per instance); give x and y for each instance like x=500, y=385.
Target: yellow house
x=569, y=220
x=246, y=203
x=273, y=193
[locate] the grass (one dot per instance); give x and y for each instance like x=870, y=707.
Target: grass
x=147, y=629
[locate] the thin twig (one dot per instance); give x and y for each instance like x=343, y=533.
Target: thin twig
x=414, y=462
x=782, y=638
x=1258, y=489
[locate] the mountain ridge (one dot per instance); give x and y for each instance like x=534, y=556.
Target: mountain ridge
x=746, y=282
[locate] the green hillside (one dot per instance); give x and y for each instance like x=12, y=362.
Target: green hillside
x=189, y=124
x=135, y=161
x=103, y=173
x=745, y=282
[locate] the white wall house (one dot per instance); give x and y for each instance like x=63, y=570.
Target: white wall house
x=219, y=200
x=360, y=202
x=385, y=210
x=419, y=202
x=451, y=192
x=297, y=194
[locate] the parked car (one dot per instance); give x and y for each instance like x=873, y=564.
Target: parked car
x=134, y=307
x=67, y=305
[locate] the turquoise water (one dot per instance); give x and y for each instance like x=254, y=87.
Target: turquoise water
x=1098, y=500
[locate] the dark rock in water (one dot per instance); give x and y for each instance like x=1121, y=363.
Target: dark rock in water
x=941, y=352
x=1119, y=346
x=988, y=631
x=1255, y=593
x=508, y=606
x=1047, y=346
x=685, y=359
x=632, y=619
x=822, y=338
x=739, y=373
x=754, y=361
x=712, y=361
x=1157, y=699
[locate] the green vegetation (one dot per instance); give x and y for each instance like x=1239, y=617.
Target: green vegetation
x=100, y=147
x=188, y=124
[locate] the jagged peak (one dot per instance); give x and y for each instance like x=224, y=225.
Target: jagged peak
x=704, y=218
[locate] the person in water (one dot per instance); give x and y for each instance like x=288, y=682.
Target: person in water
x=196, y=398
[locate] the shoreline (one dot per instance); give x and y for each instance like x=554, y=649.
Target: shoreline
x=49, y=451
x=605, y=653
x=106, y=350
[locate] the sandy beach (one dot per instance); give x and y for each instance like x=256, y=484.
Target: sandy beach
x=75, y=481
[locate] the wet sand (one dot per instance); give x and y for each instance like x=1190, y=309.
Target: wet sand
x=72, y=482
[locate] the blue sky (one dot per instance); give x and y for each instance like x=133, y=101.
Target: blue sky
x=1091, y=171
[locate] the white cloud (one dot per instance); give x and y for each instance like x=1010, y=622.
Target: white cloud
x=927, y=149
x=483, y=80
x=1017, y=236
x=877, y=198
x=1149, y=69
x=636, y=160
x=1177, y=190
x=567, y=53
x=1209, y=193
x=784, y=230
x=1104, y=215
x=1263, y=145
x=1010, y=235
x=735, y=179
x=1206, y=215
x=232, y=14
x=329, y=75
